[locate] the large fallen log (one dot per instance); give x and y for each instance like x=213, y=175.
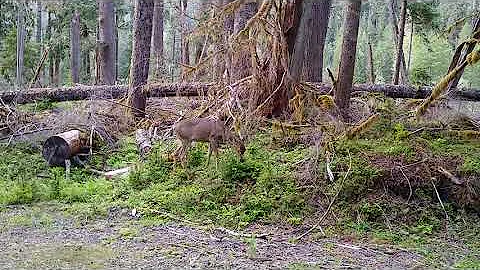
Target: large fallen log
x=195, y=89
x=100, y=92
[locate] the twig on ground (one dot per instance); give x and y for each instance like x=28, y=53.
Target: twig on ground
x=409, y=185
x=244, y=235
x=331, y=203
x=439, y=199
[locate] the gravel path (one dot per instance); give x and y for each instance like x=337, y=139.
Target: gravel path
x=49, y=240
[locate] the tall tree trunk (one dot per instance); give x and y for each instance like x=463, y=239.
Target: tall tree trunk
x=142, y=39
x=38, y=32
x=38, y=37
x=371, y=31
x=228, y=29
x=200, y=43
x=298, y=57
x=410, y=46
x=157, y=39
x=51, y=54
x=401, y=34
x=458, y=59
x=106, y=42
x=20, y=43
x=318, y=25
x=75, y=48
x=392, y=5
x=184, y=45
x=346, y=67
x=241, y=61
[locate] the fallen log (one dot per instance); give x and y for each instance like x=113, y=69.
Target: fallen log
x=100, y=92
x=61, y=147
x=196, y=89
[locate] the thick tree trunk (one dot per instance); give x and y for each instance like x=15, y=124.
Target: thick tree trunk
x=195, y=89
x=106, y=42
x=75, y=48
x=298, y=56
x=20, y=43
x=401, y=33
x=184, y=45
x=318, y=25
x=157, y=39
x=142, y=38
x=241, y=60
x=458, y=59
x=346, y=67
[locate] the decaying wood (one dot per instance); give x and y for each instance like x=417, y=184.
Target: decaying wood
x=57, y=149
x=144, y=143
x=196, y=89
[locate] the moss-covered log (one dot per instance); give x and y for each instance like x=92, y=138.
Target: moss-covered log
x=195, y=89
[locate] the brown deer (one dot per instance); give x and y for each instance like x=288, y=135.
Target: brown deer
x=206, y=130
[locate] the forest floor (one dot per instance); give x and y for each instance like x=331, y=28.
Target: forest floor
x=403, y=195
x=41, y=237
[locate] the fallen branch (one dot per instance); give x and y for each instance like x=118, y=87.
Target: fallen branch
x=195, y=89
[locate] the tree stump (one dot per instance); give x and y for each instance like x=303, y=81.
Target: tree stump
x=63, y=146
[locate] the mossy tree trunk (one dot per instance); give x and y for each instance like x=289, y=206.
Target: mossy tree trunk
x=401, y=33
x=157, y=39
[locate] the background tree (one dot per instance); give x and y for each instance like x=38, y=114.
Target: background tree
x=401, y=33
x=157, y=39
x=346, y=67
x=317, y=32
x=75, y=48
x=20, y=43
x=142, y=38
x=106, y=42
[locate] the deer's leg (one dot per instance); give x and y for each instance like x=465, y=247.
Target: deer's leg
x=185, y=147
x=209, y=153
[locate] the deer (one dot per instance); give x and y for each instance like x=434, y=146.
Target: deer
x=208, y=130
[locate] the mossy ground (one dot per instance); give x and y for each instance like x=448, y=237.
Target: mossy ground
x=387, y=196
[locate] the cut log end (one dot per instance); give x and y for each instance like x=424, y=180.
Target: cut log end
x=61, y=147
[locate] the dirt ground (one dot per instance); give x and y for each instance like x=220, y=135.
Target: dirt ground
x=43, y=239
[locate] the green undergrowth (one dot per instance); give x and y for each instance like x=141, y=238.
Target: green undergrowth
x=386, y=180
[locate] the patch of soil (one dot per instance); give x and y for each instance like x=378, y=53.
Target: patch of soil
x=121, y=242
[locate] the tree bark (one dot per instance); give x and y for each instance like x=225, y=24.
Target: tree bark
x=157, y=39
x=241, y=60
x=106, y=42
x=392, y=6
x=51, y=55
x=346, y=67
x=184, y=44
x=38, y=32
x=142, y=38
x=20, y=43
x=298, y=56
x=318, y=25
x=75, y=48
x=410, y=46
x=195, y=89
x=228, y=29
x=371, y=32
x=401, y=33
